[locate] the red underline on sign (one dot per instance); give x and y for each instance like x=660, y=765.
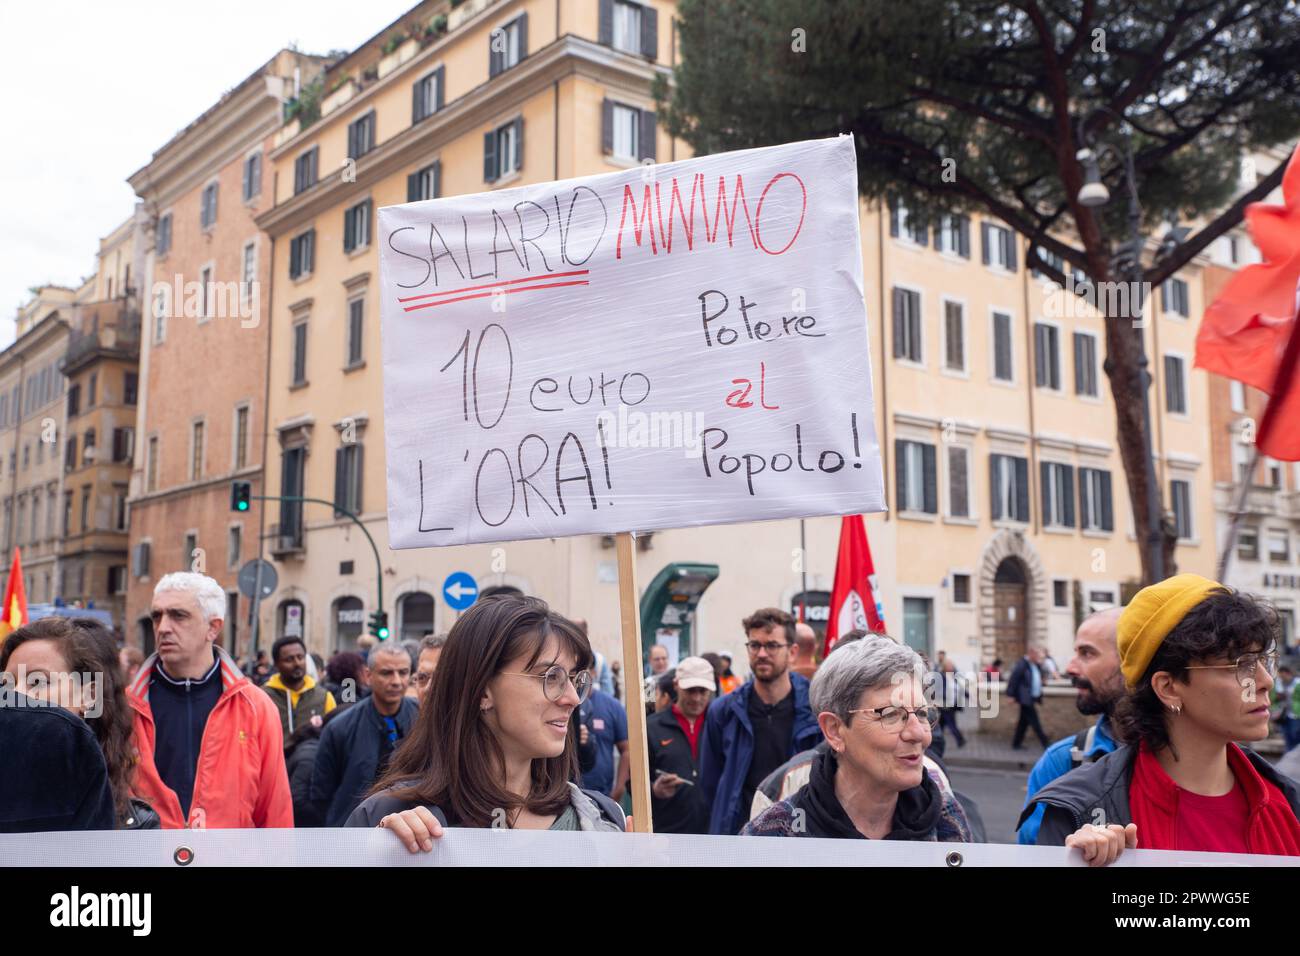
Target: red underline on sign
x=494, y=285
x=494, y=291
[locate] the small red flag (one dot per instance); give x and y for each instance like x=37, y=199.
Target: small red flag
x=853, y=599
x=14, y=614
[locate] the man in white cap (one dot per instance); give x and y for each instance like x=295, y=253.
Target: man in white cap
x=674, y=748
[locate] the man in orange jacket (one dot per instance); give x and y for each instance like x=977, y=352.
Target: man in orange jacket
x=211, y=752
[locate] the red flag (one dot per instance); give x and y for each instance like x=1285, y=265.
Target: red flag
x=1245, y=330
x=14, y=614
x=1279, y=430
x=853, y=600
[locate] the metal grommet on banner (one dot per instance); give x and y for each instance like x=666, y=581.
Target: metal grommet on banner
x=183, y=856
x=953, y=859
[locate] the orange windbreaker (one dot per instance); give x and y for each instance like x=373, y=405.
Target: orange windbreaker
x=240, y=781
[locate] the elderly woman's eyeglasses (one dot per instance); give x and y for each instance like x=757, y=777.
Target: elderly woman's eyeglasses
x=1246, y=666
x=556, y=680
x=895, y=718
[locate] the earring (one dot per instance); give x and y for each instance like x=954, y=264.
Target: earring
x=1176, y=710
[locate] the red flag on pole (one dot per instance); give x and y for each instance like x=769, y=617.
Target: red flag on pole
x=853, y=599
x=1248, y=333
x=14, y=614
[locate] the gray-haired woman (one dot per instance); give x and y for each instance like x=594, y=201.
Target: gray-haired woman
x=872, y=784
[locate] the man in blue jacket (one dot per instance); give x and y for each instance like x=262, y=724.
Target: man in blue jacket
x=755, y=729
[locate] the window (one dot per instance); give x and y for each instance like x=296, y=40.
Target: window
x=27, y=454
x=87, y=448
x=291, y=485
x=140, y=559
x=234, y=544
x=1095, y=506
x=958, y=481
x=36, y=517
x=907, y=325
x=119, y=507
x=241, y=437
x=85, y=507
x=1248, y=544
x=1047, y=356
x=356, y=227
x=1180, y=495
x=507, y=45
x=1272, y=468
x=248, y=273
x=999, y=246
x=159, y=317
x=302, y=254
x=151, y=466
x=627, y=27
x=304, y=170
x=954, y=337
x=953, y=235
x=1052, y=259
x=503, y=150
x=1060, y=593
x=51, y=508
x=299, y=353
x=252, y=176
x=1085, y=364
x=1003, y=370
x=117, y=579
x=91, y=389
x=67, y=514
x=361, y=136
x=918, y=623
x=1009, y=484
x=427, y=95
x=70, y=457
x=347, y=479
x=961, y=589
x=163, y=236
x=1237, y=394
x=130, y=388
x=627, y=133
x=424, y=183
x=1057, y=494
x=1279, y=544
x=902, y=224
x=196, y=451
x=356, y=327
x=188, y=548
x=208, y=206
x=630, y=27
x=74, y=401
x=1173, y=297
x=1175, y=385
x=915, y=464
x=205, y=288
x=123, y=444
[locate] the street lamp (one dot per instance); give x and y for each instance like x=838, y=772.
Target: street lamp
x=1128, y=263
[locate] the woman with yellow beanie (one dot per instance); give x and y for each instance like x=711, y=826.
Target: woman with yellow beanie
x=1198, y=661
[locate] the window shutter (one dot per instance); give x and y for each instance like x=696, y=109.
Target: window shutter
x=439, y=88
x=311, y=250
x=898, y=323
x=963, y=236
x=900, y=474
x=1084, y=515
x=413, y=187
x=340, y=480
x=519, y=143
x=958, y=497
x=1040, y=354
x=257, y=174
x=984, y=242
x=523, y=35
x=650, y=32
x=605, y=32
x=893, y=217
x=1107, y=515
x=1044, y=468
x=1022, y=489
x=494, y=56
x=490, y=156
x=928, y=470
x=648, y=129
x=1164, y=296
x=1078, y=364
x=437, y=179
x=921, y=235
x=248, y=176
x=995, y=489
x=1067, y=494
x=607, y=126
x=416, y=96
x=349, y=229
x=358, y=471
x=352, y=140
x=1009, y=238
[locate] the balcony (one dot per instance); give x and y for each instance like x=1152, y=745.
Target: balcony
x=288, y=543
x=110, y=329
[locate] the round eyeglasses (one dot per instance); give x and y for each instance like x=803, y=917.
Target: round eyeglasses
x=556, y=681
x=894, y=719
x=1246, y=666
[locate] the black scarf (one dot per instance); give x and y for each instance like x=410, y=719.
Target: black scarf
x=915, y=817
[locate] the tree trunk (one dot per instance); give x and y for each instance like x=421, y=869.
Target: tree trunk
x=1123, y=366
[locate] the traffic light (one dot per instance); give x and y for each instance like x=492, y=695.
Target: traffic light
x=379, y=624
x=240, y=491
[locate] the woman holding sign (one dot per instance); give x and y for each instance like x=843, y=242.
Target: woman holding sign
x=492, y=744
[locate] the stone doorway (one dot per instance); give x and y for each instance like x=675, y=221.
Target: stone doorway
x=1010, y=613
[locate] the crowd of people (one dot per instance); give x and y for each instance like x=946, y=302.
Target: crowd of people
x=512, y=720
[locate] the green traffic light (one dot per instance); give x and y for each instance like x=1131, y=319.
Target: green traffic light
x=383, y=633
x=243, y=506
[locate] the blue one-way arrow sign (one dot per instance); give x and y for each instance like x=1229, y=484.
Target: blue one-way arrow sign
x=459, y=590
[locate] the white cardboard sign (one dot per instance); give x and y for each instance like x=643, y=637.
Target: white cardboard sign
x=671, y=345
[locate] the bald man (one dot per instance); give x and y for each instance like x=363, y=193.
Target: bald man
x=806, y=638
x=1096, y=674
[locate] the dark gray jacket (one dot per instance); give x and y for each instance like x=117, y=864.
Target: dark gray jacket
x=595, y=811
x=348, y=757
x=1074, y=799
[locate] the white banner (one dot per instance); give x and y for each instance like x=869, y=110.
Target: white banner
x=464, y=847
x=670, y=345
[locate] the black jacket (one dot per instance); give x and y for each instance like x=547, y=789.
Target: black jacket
x=1020, y=687
x=349, y=756
x=55, y=777
x=1072, y=800
x=670, y=751
x=299, y=765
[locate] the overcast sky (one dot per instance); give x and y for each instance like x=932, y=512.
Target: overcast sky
x=94, y=88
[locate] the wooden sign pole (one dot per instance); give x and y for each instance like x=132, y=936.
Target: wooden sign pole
x=630, y=608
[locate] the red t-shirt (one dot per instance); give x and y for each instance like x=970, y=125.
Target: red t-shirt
x=1212, y=824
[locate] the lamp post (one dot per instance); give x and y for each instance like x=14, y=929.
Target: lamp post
x=1127, y=262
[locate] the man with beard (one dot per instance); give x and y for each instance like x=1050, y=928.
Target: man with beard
x=297, y=696
x=752, y=731
x=1095, y=670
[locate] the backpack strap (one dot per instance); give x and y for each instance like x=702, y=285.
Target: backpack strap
x=1084, y=741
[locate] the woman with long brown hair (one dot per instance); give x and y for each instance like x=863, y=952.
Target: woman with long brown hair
x=73, y=664
x=492, y=744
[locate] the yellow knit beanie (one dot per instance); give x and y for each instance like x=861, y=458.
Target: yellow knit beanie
x=1155, y=611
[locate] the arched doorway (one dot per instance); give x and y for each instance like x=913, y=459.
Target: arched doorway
x=349, y=620
x=290, y=619
x=414, y=615
x=1010, y=611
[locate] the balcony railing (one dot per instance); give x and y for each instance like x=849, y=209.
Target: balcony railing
x=106, y=326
